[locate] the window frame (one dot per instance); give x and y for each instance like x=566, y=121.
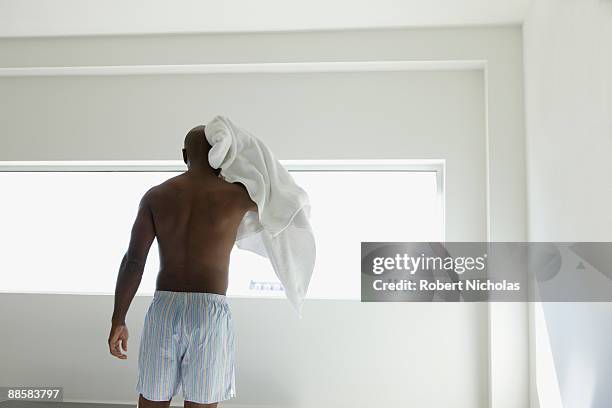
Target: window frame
x=395, y=165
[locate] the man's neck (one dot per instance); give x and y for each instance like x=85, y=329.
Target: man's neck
x=201, y=171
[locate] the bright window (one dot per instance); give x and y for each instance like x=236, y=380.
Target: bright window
x=65, y=227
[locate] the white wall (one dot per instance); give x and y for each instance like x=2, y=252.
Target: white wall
x=471, y=118
x=568, y=82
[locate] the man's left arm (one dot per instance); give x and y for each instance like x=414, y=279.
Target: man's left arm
x=130, y=274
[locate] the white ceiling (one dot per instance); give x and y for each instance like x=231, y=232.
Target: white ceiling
x=90, y=17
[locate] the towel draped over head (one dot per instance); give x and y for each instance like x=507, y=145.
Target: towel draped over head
x=280, y=229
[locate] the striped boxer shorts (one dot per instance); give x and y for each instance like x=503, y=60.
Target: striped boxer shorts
x=187, y=343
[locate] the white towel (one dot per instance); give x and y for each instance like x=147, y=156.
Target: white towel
x=280, y=230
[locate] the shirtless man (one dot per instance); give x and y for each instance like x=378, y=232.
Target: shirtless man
x=187, y=339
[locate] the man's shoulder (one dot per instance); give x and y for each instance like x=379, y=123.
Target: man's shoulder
x=166, y=186
x=241, y=194
x=159, y=190
x=150, y=195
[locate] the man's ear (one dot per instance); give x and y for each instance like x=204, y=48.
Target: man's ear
x=184, y=156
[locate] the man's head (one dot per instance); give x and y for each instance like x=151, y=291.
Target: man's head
x=196, y=148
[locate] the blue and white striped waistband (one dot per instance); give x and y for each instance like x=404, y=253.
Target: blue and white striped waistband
x=195, y=297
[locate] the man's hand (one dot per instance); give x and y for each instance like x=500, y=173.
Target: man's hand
x=117, y=340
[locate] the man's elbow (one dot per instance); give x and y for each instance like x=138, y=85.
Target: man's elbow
x=133, y=264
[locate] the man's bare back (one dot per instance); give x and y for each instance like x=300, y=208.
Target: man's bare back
x=196, y=220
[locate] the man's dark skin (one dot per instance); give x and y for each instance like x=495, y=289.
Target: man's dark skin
x=195, y=217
